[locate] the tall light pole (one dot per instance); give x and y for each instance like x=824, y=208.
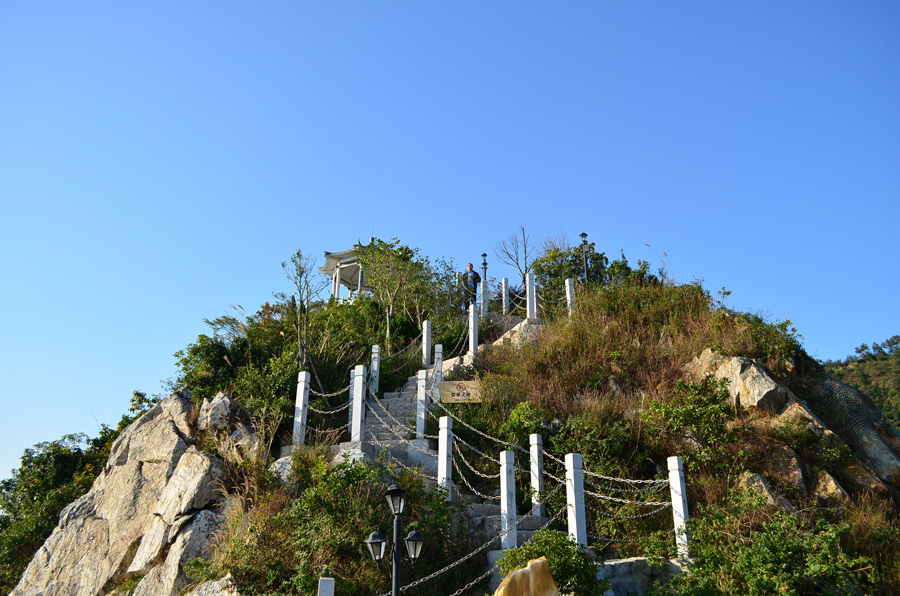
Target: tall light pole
x=376, y=543
x=584, y=247
x=484, y=266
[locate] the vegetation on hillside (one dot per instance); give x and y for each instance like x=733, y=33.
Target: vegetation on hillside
x=875, y=370
x=607, y=382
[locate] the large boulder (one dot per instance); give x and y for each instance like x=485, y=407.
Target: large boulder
x=749, y=385
x=143, y=515
x=533, y=580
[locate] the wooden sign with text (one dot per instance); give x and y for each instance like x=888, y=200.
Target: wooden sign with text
x=460, y=392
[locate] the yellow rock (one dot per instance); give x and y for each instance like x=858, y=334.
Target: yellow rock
x=533, y=580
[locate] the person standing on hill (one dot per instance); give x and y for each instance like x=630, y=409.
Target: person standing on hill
x=471, y=280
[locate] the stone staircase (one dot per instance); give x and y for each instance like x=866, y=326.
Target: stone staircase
x=482, y=519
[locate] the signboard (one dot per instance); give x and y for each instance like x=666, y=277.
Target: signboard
x=460, y=392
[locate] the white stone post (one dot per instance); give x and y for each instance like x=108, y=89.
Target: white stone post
x=301, y=407
x=485, y=298
x=437, y=374
x=531, y=295
x=575, y=498
x=473, y=330
x=445, y=455
x=375, y=370
x=426, y=344
x=679, y=504
x=359, y=403
x=508, y=533
x=421, y=403
x=352, y=405
x=504, y=292
x=570, y=295
x=326, y=586
x=537, y=474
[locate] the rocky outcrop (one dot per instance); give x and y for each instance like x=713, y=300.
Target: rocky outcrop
x=758, y=484
x=749, y=385
x=148, y=511
x=829, y=491
x=221, y=587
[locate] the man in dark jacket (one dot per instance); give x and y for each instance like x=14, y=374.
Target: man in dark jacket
x=471, y=280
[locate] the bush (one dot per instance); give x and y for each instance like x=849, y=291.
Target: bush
x=572, y=566
x=745, y=547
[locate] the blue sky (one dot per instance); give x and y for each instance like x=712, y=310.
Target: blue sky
x=159, y=160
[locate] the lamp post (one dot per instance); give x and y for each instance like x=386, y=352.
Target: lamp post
x=484, y=266
x=376, y=543
x=584, y=246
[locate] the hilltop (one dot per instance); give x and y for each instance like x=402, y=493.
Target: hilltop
x=792, y=476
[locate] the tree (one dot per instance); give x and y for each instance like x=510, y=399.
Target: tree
x=50, y=476
x=402, y=280
x=515, y=251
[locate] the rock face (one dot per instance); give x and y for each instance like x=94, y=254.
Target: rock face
x=533, y=580
x=749, y=385
x=147, y=512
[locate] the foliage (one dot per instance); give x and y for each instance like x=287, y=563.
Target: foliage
x=699, y=413
x=744, y=547
x=572, y=566
x=281, y=543
x=523, y=421
x=403, y=281
x=50, y=476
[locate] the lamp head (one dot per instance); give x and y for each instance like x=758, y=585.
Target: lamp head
x=396, y=499
x=583, y=237
x=376, y=544
x=414, y=542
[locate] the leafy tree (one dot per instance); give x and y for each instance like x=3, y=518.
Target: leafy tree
x=402, y=280
x=50, y=476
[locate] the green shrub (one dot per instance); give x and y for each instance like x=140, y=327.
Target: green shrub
x=572, y=566
x=744, y=547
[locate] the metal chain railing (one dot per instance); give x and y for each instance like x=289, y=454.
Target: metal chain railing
x=468, y=485
x=627, y=502
x=476, y=551
x=626, y=517
x=469, y=465
x=336, y=393
x=334, y=411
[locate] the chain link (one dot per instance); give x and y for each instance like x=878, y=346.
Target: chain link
x=627, y=502
x=327, y=412
x=625, y=517
x=469, y=486
x=336, y=393
x=469, y=465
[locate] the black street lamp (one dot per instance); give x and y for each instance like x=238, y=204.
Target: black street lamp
x=484, y=266
x=584, y=246
x=376, y=543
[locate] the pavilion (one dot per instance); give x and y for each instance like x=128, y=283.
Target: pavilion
x=344, y=270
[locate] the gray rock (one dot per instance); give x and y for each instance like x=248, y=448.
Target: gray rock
x=828, y=490
x=786, y=465
x=758, y=484
x=140, y=510
x=220, y=587
x=282, y=469
x=749, y=385
x=168, y=578
x=221, y=413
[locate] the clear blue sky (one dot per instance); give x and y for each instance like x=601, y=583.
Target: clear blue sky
x=158, y=161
